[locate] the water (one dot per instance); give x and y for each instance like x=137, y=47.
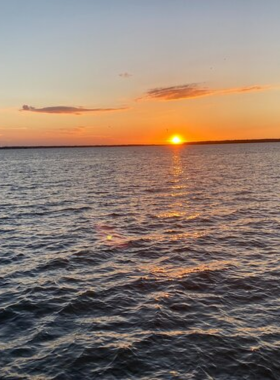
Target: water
x=140, y=263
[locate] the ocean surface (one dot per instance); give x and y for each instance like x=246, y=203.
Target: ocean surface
x=140, y=263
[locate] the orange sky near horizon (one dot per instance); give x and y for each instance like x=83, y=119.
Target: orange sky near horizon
x=224, y=117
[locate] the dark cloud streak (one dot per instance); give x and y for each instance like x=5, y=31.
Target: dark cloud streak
x=68, y=110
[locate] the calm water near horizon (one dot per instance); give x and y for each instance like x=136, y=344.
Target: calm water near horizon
x=140, y=263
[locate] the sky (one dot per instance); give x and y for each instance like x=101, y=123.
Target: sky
x=83, y=72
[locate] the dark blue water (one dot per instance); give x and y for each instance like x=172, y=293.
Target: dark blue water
x=140, y=263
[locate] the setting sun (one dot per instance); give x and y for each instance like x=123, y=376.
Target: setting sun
x=176, y=140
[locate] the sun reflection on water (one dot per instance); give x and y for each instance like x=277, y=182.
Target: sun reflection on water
x=171, y=273
x=177, y=166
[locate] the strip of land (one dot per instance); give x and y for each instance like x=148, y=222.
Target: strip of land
x=255, y=141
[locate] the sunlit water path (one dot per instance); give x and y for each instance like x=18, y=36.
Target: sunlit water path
x=140, y=263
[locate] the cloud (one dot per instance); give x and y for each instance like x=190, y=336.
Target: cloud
x=125, y=75
x=177, y=92
x=73, y=130
x=193, y=90
x=245, y=89
x=68, y=110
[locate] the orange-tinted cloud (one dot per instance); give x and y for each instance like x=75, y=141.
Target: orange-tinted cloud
x=185, y=91
x=68, y=110
x=244, y=89
x=72, y=130
x=194, y=90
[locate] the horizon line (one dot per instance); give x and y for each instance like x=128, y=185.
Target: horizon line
x=206, y=142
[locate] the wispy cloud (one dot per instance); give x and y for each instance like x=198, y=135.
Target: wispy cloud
x=125, y=75
x=81, y=132
x=73, y=130
x=245, y=89
x=194, y=90
x=69, y=110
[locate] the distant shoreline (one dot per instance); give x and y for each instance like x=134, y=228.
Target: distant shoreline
x=136, y=145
